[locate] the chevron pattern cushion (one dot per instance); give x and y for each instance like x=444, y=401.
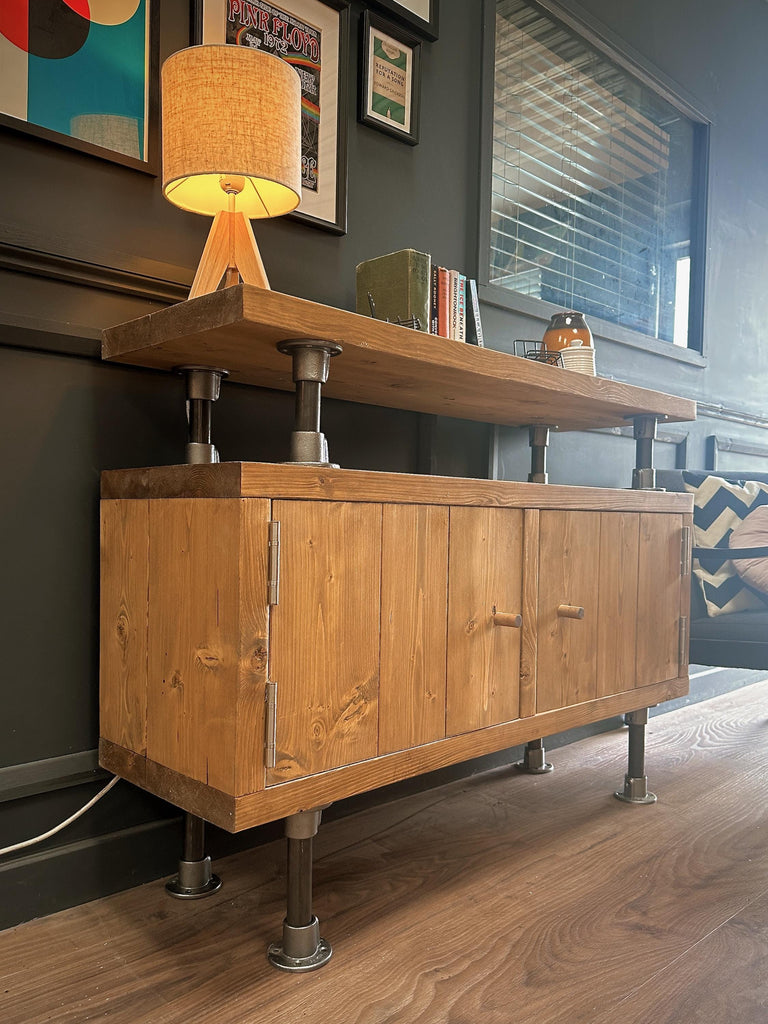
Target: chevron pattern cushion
x=718, y=508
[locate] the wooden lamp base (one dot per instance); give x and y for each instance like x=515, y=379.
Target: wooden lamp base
x=230, y=255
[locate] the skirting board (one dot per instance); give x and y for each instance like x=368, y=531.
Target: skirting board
x=45, y=776
x=43, y=883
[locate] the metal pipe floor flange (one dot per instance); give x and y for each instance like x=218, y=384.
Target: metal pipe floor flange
x=534, y=760
x=194, y=880
x=302, y=948
x=635, y=791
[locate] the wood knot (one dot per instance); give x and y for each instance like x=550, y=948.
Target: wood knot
x=259, y=657
x=177, y=683
x=208, y=659
x=471, y=626
x=122, y=630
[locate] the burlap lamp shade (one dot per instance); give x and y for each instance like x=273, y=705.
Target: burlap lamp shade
x=231, y=110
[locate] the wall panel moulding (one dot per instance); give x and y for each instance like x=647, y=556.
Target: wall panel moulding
x=65, y=268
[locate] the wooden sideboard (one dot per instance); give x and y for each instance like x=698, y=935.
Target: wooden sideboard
x=410, y=623
x=277, y=637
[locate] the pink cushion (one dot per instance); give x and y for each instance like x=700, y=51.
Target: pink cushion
x=752, y=532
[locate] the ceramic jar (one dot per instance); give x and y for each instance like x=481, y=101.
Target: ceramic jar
x=567, y=330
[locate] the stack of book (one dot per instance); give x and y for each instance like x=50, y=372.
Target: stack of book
x=404, y=287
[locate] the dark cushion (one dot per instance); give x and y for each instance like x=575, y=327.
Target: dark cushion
x=739, y=626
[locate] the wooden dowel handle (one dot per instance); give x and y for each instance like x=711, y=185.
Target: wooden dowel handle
x=507, y=619
x=570, y=611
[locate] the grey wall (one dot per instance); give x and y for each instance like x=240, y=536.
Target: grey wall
x=85, y=244
x=711, y=52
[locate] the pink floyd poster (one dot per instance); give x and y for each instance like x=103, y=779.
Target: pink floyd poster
x=266, y=27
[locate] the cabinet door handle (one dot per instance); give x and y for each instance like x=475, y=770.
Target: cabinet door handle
x=570, y=611
x=513, y=619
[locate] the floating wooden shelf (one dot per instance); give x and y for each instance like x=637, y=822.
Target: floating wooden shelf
x=238, y=329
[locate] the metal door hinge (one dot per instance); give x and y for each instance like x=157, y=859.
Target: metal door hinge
x=273, y=564
x=270, y=743
x=682, y=647
x=685, y=551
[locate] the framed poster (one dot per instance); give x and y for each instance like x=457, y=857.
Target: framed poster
x=420, y=15
x=390, y=79
x=83, y=74
x=313, y=36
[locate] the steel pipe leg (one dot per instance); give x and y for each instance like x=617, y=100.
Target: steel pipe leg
x=203, y=385
x=644, y=475
x=195, y=878
x=538, y=440
x=636, y=781
x=311, y=363
x=535, y=759
x=302, y=948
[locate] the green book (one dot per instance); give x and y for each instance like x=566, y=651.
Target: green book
x=399, y=285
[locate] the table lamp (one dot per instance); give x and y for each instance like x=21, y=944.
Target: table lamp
x=231, y=150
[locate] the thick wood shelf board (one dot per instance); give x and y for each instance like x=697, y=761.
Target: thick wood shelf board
x=278, y=481
x=238, y=329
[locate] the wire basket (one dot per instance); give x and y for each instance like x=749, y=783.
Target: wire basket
x=532, y=350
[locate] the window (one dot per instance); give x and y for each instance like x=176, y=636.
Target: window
x=594, y=184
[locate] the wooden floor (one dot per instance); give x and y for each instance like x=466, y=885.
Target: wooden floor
x=504, y=899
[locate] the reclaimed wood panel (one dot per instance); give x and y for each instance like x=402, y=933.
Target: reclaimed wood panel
x=617, y=607
x=568, y=575
x=254, y=645
x=529, y=640
x=325, y=636
x=238, y=328
x=659, y=597
x=414, y=608
x=194, y=644
x=484, y=574
x=123, y=623
x=273, y=480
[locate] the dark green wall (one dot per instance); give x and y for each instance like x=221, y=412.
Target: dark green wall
x=85, y=244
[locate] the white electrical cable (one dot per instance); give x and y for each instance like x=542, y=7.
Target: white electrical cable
x=58, y=828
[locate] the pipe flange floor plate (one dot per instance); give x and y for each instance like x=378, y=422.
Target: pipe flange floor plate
x=649, y=798
x=181, y=892
x=278, y=958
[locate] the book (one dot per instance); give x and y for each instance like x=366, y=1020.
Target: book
x=443, y=302
x=433, y=304
x=461, y=316
x=399, y=285
x=453, y=303
x=474, y=323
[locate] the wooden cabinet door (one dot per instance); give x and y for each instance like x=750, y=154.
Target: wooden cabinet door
x=569, y=547
x=414, y=606
x=484, y=575
x=324, y=636
x=624, y=570
x=617, y=602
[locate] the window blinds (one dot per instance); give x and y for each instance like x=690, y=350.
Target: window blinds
x=583, y=210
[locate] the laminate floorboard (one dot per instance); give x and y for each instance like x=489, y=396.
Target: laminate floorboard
x=499, y=899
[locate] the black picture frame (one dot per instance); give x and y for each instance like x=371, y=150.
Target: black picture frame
x=326, y=208
x=402, y=119
x=407, y=11
x=149, y=164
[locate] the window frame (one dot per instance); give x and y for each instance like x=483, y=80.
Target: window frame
x=602, y=39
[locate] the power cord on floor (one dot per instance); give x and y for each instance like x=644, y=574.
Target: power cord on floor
x=58, y=828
